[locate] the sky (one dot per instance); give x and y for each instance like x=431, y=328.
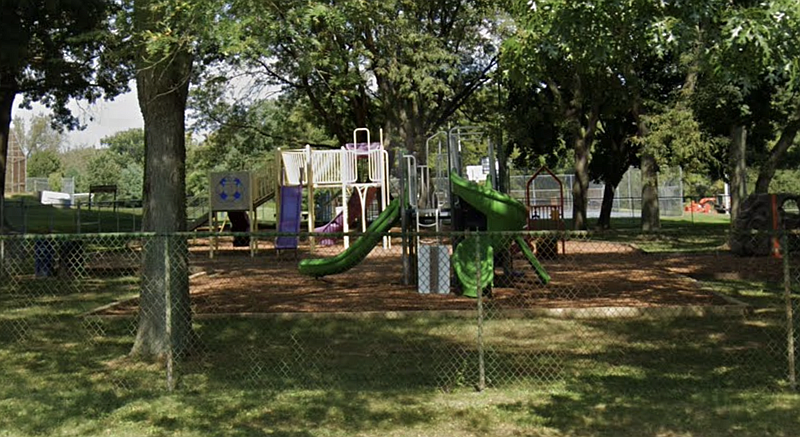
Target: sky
x=103, y=118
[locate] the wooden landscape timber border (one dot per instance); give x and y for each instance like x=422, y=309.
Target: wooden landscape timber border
x=615, y=312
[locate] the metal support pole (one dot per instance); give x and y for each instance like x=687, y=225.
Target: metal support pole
x=404, y=222
x=790, y=328
x=479, y=290
x=24, y=215
x=168, y=315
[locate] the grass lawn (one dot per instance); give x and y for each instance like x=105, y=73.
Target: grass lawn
x=688, y=233
x=26, y=214
x=64, y=374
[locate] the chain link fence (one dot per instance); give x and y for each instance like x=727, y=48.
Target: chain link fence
x=449, y=310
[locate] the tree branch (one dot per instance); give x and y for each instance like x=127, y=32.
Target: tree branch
x=458, y=100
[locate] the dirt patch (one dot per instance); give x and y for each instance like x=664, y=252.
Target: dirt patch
x=591, y=274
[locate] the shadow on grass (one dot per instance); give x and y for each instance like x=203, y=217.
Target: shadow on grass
x=66, y=371
x=346, y=353
x=702, y=238
x=707, y=376
x=273, y=376
x=596, y=407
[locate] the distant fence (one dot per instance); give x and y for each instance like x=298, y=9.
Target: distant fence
x=597, y=314
x=627, y=198
x=34, y=185
x=26, y=216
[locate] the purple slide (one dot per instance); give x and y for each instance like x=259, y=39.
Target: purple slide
x=289, y=219
x=335, y=225
x=353, y=212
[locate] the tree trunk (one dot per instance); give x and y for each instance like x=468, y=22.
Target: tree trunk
x=165, y=319
x=583, y=138
x=408, y=125
x=738, y=169
x=604, y=221
x=776, y=155
x=580, y=187
x=7, y=95
x=651, y=214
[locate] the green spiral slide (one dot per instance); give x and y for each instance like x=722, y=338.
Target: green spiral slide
x=503, y=213
x=358, y=249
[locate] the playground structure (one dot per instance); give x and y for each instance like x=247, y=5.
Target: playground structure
x=473, y=206
x=359, y=172
x=337, y=170
x=239, y=194
x=480, y=207
x=502, y=213
x=546, y=214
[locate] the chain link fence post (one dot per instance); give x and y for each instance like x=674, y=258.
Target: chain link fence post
x=479, y=291
x=168, y=313
x=2, y=254
x=790, y=325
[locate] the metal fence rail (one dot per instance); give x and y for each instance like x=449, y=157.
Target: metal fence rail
x=604, y=312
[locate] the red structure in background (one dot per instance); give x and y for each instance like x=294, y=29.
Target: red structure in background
x=546, y=214
x=706, y=205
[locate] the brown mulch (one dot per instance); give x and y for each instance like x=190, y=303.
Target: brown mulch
x=589, y=275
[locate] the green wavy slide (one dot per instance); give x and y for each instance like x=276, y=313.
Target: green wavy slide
x=503, y=213
x=358, y=249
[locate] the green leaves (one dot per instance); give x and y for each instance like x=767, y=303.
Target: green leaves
x=758, y=40
x=403, y=64
x=50, y=52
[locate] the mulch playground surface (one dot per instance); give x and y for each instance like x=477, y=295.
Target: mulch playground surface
x=589, y=275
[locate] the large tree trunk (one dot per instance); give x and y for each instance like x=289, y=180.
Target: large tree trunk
x=738, y=169
x=651, y=214
x=776, y=155
x=604, y=221
x=165, y=319
x=583, y=139
x=408, y=125
x=580, y=187
x=7, y=95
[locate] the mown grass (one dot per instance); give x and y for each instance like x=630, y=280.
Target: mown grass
x=67, y=373
x=697, y=233
x=25, y=214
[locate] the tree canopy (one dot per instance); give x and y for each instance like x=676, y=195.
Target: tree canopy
x=405, y=66
x=52, y=51
x=675, y=67
x=585, y=61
